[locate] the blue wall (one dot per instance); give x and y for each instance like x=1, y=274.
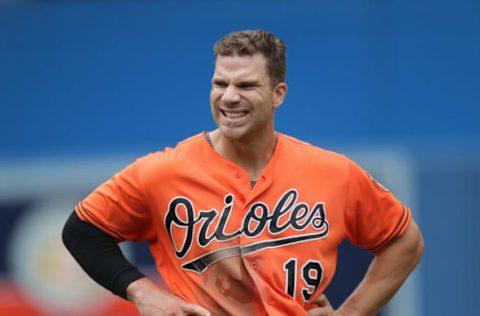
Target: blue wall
x=129, y=76
x=88, y=76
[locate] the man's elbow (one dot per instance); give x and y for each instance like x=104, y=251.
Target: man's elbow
x=416, y=243
x=420, y=246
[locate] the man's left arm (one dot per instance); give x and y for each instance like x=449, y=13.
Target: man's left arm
x=386, y=274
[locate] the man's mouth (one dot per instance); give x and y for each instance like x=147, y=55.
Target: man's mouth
x=234, y=114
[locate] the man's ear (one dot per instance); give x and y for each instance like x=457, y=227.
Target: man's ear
x=279, y=93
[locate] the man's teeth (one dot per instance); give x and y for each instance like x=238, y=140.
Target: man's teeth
x=234, y=114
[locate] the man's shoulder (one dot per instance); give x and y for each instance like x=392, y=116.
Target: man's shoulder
x=196, y=141
x=307, y=150
x=313, y=162
x=177, y=154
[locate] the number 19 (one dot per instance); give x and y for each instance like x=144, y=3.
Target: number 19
x=312, y=273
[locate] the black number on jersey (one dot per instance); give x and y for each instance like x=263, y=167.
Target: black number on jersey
x=290, y=267
x=312, y=273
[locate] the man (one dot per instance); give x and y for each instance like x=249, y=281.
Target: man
x=244, y=220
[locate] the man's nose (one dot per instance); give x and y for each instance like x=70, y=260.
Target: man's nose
x=231, y=95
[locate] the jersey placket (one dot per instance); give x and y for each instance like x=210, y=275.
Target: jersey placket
x=240, y=186
x=254, y=268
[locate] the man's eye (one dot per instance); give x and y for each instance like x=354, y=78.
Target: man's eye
x=248, y=86
x=220, y=84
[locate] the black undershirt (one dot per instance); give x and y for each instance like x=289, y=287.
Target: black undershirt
x=99, y=255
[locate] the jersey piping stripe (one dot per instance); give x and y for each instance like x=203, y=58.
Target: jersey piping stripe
x=401, y=224
x=90, y=218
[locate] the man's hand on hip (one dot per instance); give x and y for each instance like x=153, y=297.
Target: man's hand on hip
x=150, y=300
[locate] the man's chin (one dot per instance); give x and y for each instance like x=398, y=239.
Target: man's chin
x=233, y=133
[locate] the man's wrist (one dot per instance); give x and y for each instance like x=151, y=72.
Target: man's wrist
x=126, y=278
x=133, y=290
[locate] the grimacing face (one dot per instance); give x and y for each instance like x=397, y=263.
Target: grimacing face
x=242, y=99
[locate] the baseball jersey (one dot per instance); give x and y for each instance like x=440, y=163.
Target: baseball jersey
x=237, y=250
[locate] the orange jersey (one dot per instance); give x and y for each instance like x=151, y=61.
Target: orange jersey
x=237, y=250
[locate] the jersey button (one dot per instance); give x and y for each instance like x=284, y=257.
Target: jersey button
x=254, y=265
x=270, y=302
x=238, y=174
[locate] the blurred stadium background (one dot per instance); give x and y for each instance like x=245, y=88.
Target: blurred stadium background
x=87, y=86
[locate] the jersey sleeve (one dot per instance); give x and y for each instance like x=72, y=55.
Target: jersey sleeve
x=118, y=208
x=373, y=216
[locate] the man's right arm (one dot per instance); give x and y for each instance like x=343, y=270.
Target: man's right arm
x=101, y=258
x=99, y=255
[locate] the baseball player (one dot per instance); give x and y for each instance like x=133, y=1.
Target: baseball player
x=244, y=220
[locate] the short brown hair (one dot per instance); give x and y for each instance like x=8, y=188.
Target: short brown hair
x=257, y=41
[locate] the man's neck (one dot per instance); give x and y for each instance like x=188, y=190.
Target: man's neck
x=251, y=154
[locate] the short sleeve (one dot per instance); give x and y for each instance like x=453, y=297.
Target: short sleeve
x=118, y=208
x=373, y=216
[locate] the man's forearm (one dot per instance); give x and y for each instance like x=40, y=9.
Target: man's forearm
x=386, y=274
x=99, y=255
